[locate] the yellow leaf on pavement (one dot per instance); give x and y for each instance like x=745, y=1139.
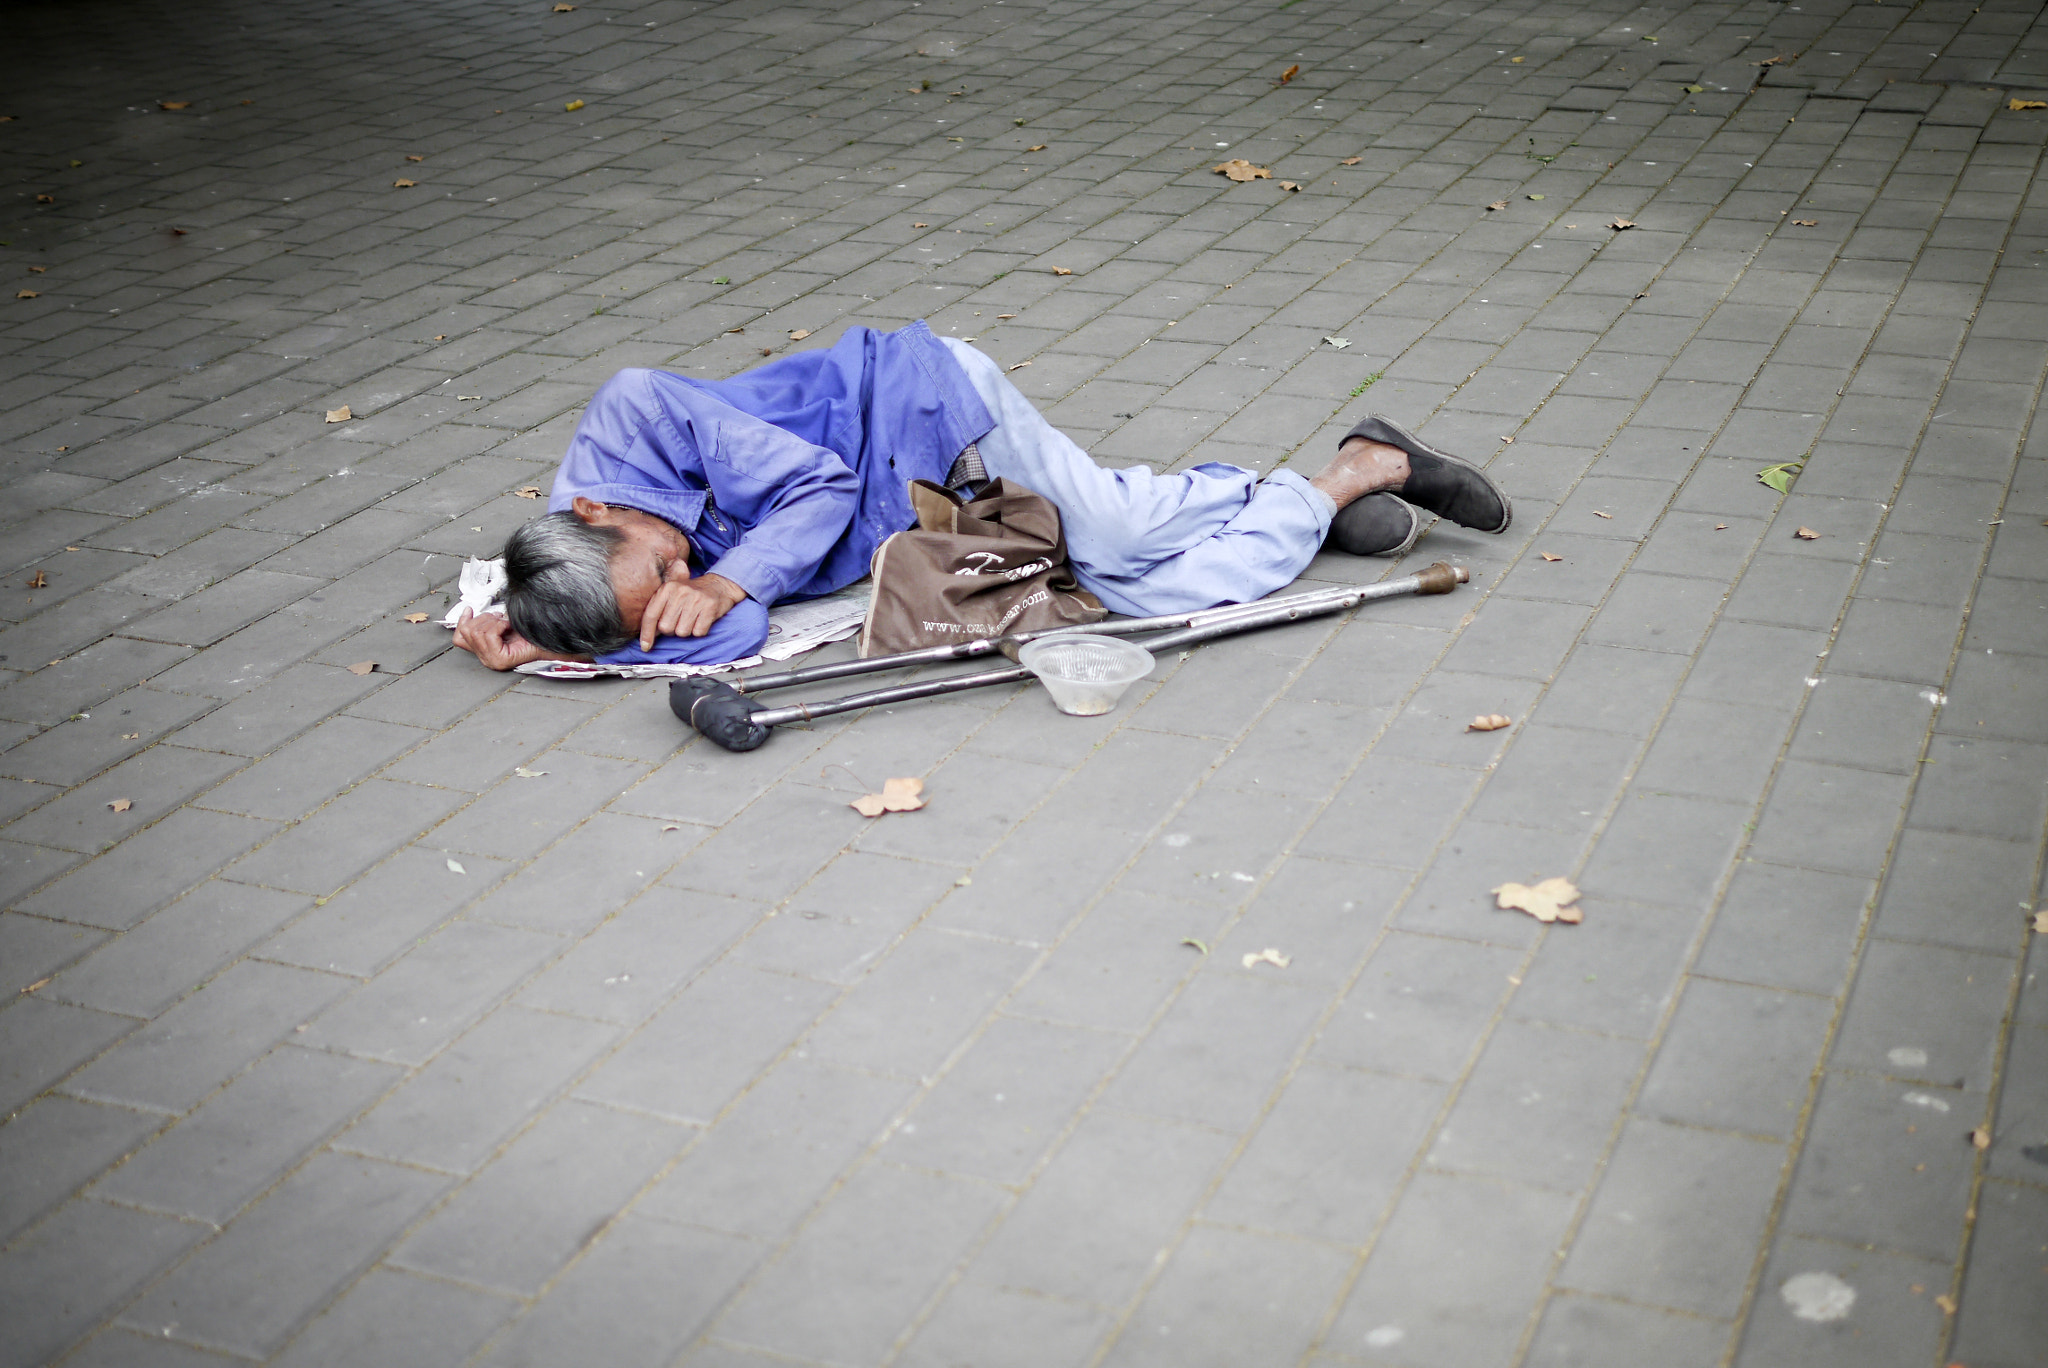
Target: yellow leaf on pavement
x=340, y=415
x=1489, y=722
x=573, y=106
x=121, y=805
x=362, y=667
x=1548, y=901
x=2017, y=103
x=1238, y=169
x=415, y=617
x=799, y=334
x=403, y=184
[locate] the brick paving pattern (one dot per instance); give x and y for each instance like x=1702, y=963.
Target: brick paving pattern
x=341, y=1042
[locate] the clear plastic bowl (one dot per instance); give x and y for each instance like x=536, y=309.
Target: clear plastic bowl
x=1085, y=674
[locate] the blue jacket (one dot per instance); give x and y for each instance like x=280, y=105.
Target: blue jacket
x=785, y=478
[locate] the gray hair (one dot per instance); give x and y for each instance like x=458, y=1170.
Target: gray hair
x=558, y=590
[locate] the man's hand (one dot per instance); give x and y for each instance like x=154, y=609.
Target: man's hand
x=684, y=606
x=492, y=640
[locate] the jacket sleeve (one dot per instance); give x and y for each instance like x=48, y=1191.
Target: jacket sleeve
x=795, y=499
x=742, y=632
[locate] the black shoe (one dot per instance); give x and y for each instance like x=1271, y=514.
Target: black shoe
x=1439, y=482
x=1375, y=525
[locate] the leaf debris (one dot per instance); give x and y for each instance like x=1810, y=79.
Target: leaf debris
x=572, y=106
x=39, y=580
x=1020, y=365
x=1807, y=534
x=173, y=104
x=1806, y=223
x=1350, y=161
x=455, y=867
x=1290, y=73
x=1489, y=722
x=897, y=795
x=1268, y=956
x=1547, y=556
x=1618, y=224
x=362, y=667
x=121, y=804
x=1779, y=476
x=1061, y=270
x=415, y=617
x=799, y=334
x=340, y=415
x=1548, y=901
x=403, y=184
x=1496, y=205
x=526, y=492
x=1036, y=147
x=2016, y=104
x=1240, y=170
x=524, y=773
x=1202, y=946
x=1980, y=1138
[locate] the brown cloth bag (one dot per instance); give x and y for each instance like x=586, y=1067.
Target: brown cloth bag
x=987, y=567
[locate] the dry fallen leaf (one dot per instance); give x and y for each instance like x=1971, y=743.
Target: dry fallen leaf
x=1548, y=901
x=1020, y=365
x=173, y=104
x=121, y=805
x=1061, y=270
x=1289, y=186
x=1547, y=556
x=340, y=415
x=414, y=157
x=1720, y=527
x=767, y=351
x=415, y=617
x=1806, y=223
x=920, y=225
x=573, y=106
x=1772, y=61
x=1269, y=956
x=39, y=270
x=39, y=580
x=1006, y=315
x=362, y=667
x=1290, y=73
x=1980, y=1138
x=28, y=294
x=524, y=773
x=39, y=983
x=2041, y=922
x=563, y=9
x=1946, y=1303
x=1497, y=204
x=897, y=795
x=131, y=736
x=455, y=867
x=526, y=492
x=1238, y=169
x=2017, y=103
x=1621, y=223
x=1807, y=534
x=1349, y=161
x=403, y=184
x=46, y=199
x=1200, y=945
x=1036, y=147
x=1489, y=722
x=1598, y=514
x=799, y=334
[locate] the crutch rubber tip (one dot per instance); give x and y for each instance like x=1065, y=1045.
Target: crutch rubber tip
x=718, y=710
x=1440, y=578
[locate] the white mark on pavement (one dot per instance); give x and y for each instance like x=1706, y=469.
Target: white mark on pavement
x=1818, y=1296
x=1178, y=839
x=1385, y=1335
x=1927, y=1100
x=1907, y=1057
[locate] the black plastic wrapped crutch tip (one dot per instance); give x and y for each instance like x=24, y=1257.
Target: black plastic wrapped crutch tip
x=718, y=710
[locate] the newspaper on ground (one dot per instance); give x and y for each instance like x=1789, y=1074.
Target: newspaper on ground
x=793, y=628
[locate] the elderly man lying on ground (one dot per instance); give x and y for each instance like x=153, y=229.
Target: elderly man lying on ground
x=686, y=507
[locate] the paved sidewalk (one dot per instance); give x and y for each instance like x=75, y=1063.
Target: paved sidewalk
x=331, y=1038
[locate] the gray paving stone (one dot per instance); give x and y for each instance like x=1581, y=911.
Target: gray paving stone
x=1894, y=1318
x=247, y=1135
x=45, y=1040
x=1941, y=1003
x=1963, y=891
x=1204, y=1293
x=54, y=1146
x=249, y=1290
x=1592, y=1332
x=1004, y=1330
x=396, y=1315
x=1528, y=1083
x=117, y=1348
x=1737, y=1058
x=453, y=1113
x=1449, y=1238
x=704, y=1047
x=815, y=1119
x=2001, y=1317
x=1722, y=1202
x=1618, y=983
x=335, y=844
x=32, y=950
x=638, y=1296
x=886, y=1243
x=78, y=1266
x=183, y=1055
x=154, y=866
x=430, y=995
x=1882, y=1166
x=625, y=968
x=1119, y=964
x=513, y=1225
x=121, y=726
x=298, y=777
x=155, y=783
x=916, y=1007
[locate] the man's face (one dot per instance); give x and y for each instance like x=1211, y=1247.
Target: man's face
x=653, y=551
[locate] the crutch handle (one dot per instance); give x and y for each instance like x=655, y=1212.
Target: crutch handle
x=1440, y=578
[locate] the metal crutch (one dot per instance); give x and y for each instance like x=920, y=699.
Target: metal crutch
x=724, y=714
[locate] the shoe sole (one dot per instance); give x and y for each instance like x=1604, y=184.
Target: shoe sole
x=1410, y=442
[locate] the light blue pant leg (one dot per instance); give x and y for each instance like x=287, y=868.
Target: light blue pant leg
x=1147, y=544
